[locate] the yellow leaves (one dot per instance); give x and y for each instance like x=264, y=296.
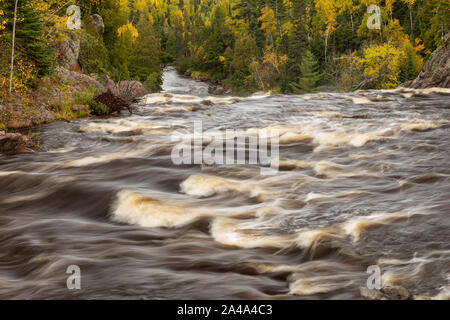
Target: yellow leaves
x=419, y=45
x=207, y=22
x=128, y=30
x=150, y=19
x=222, y=59
x=268, y=22
x=382, y=64
x=25, y=73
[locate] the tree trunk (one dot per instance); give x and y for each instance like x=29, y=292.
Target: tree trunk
x=353, y=27
x=12, y=50
x=411, y=21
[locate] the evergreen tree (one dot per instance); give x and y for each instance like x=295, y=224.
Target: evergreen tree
x=310, y=75
x=244, y=51
x=298, y=44
x=408, y=73
x=145, y=64
x=30, y=41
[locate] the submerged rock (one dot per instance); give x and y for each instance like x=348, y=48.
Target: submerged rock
x=386, y=293
x=14, y=143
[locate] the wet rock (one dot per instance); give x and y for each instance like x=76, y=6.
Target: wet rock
x=15, y=143
x=436, y=72
x=395, y=293
x=207, y=103
x=99, y=24
x=218, y=90
x=386, y=293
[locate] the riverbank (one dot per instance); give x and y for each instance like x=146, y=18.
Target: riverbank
x=64, y=96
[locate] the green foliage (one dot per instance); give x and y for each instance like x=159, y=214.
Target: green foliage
x=298, y=43
x=97, y=108
x=84, y=97
x=94, y=57
x=145, y=63
x=153, y=82
x=30, y=38
x=310, y=75
x=244, y=49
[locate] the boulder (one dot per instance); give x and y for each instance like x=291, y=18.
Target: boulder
x=218, y=90
x=436, y=72
x=14, y=143
x=80, y=82
x=386, y=293
x=98, y=21
x=79, y=108
x=130, y=91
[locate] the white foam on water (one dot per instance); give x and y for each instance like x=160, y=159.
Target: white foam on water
x=207, y=186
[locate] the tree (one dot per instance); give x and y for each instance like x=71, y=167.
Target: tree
x=26, y=32
x=310, y=75
x=381, y=66
x=244, y=49
x=13, y=46
x=298, y=44
x=410, y=4
x=145, y=65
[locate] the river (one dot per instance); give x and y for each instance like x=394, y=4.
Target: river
x=364, y=180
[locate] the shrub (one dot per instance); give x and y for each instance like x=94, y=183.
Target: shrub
x=84, y=97
x=97, y=108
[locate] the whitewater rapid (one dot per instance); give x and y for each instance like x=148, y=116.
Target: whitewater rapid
x=364, y=179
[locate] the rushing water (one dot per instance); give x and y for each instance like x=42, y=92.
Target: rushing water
x=364, y=180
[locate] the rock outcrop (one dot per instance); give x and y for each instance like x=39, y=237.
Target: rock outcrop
x=78, y=81
x=14, y=143
x=98, y=21
x=68, y=53
x=436, y=72
x=129, y=91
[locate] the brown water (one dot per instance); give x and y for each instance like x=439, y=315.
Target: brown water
x=364, y=180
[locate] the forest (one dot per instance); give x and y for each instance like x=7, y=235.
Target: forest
x=281, y=46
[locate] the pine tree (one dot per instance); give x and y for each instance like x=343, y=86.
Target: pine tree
x=29, y=36
x=298, y=44
x=310, y=75
x=145, y=64
x=408, y=73
x=244, y=51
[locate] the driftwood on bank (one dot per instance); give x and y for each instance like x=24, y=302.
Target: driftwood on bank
x=113, y=102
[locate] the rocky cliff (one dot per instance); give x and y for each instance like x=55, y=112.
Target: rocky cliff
x=436, y=72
